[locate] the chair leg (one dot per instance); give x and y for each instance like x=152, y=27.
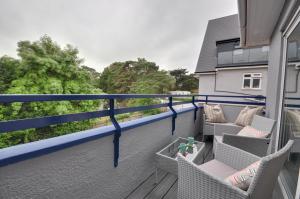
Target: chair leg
x=203, y=138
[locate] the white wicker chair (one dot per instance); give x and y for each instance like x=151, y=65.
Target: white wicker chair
x=207, y=182
x=257, y=146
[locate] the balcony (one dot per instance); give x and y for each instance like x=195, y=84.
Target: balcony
x=114, y=161
x=242, y=57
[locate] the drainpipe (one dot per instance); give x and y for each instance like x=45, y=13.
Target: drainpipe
x=242, y=7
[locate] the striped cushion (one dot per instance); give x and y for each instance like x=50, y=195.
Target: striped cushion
x=243, y=178
x=249, y=131
x=214, y=113
x=246, y=115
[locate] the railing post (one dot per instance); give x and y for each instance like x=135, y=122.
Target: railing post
x=117, y=134
x=206, y=99
x=174, y=116
x=196, y=108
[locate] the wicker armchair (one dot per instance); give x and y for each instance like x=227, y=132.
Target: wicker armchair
x=207, y=181
x=257, y=146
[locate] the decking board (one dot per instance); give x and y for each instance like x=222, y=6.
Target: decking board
x=147, y=186
x=162, y=188
x=166, y=188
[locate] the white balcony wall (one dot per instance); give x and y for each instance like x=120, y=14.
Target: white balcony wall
x=86, y=170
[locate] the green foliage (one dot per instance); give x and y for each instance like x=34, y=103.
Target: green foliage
x=184, y=81
x=137, y=77
x=45, y=68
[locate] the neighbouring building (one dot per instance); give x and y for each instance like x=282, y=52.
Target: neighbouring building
x=180, y=92
x=225, y=67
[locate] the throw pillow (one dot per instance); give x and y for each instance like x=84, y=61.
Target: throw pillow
x=214, y=113
x=293, y=117
x=243, y=178
x=249, y=131
x=246, y=115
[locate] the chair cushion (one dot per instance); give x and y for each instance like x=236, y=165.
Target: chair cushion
x=217, y=169
x=249, y=131
x=214, y=113
x=243, y=178
x=246, y=115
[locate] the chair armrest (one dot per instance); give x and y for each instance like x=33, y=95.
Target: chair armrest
x=256, y=146
x=229, y=128
x=234, y=157
x=194, y=183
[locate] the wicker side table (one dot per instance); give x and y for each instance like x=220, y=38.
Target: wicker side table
x=166, y=158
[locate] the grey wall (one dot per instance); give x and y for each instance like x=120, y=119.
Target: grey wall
x=206, y=84
x=275, y=68
x=86, y=170
x=231, y=81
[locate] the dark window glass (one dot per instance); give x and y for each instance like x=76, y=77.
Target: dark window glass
x=240, y=55
x=256, y=83
x=225, y=57
x=258, y=54
x=246, y=83
x=292, y=50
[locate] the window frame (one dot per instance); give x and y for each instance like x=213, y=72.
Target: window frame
x=294, y=21
x=251, y=78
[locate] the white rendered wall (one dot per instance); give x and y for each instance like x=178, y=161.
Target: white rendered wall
x=231, y=81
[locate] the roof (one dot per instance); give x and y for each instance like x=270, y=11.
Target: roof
x=217, y=30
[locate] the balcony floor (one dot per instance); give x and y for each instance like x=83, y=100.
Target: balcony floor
x=167, y=183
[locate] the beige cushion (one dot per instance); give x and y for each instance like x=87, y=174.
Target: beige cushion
x=214, y=113
x=294, y=119
x=243, y=178
x=246, y=115
x=249, y=131
x=217, y=169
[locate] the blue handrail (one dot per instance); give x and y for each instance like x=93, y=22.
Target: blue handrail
x=22, y=124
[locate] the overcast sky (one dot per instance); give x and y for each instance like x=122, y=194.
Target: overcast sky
x=168, y=32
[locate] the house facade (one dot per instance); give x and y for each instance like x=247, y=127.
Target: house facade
x=257, y=52
x=224, y=67
x=276, y=23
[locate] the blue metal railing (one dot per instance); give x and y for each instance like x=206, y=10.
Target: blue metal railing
x=292, y=105
x=22, y=124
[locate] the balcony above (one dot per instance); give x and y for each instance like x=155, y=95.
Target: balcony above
x=230, y=54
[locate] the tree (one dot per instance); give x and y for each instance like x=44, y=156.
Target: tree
x=8, y=72
x=184, y=81
x=138, y=76
x=93, y=75
x=44, y=67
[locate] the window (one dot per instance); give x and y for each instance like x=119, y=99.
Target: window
x=252, y=81
x=290, y=114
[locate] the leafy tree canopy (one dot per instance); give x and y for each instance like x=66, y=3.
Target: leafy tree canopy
x=139, y=76
x=44, y=67
x=184, y=81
